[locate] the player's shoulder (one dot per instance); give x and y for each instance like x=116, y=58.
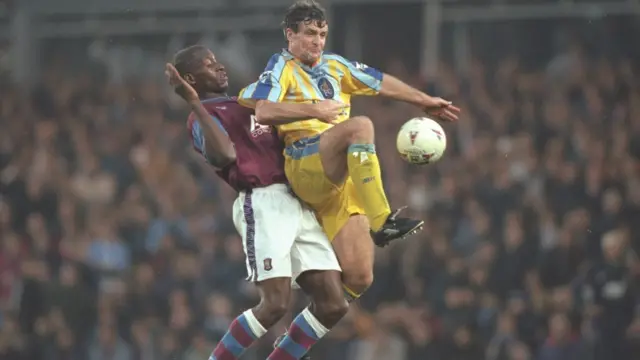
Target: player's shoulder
x=217, y=105
x=337, y=58
x=280, y=55
x=278, y=61
x=229, y=109
x=329, y=56
x=333, y=56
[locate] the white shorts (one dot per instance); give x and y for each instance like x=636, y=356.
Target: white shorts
x=281, y=237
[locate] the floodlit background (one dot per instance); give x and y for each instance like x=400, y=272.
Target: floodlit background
x=116, y=240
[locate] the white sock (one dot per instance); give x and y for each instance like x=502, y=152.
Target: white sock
x=257, y=328
x=315, y=324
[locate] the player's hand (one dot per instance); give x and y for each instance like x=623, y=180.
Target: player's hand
x=180, y=85
x=441, y=109
x=329, y=110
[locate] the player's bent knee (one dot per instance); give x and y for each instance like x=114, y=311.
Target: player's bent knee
x=271, y=311
x=274, y=300
x=361, y=129
x=325, y=289
x=362, y=123
x=277, y=306
x=357, y=280
x=333, y=310
x=276, y=303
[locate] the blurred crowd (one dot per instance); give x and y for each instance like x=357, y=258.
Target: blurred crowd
x=117, y=241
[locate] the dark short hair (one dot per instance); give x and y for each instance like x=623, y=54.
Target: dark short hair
x=303, y=11
x=188, y=58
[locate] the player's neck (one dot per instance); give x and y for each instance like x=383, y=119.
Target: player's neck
x=306, y=63
x=210, y=95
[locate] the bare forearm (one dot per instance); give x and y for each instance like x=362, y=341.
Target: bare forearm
x=272, y=113
x=218, y=147
x=396, y=89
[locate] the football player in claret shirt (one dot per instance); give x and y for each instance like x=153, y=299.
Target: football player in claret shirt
x=281, y=238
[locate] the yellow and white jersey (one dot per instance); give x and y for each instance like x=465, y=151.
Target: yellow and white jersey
x=285, y=79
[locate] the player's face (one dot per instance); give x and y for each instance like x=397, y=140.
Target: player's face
x=308, y=43
x=211, y=75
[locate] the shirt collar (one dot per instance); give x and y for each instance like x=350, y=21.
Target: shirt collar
x=288, y=56
x=216, y=99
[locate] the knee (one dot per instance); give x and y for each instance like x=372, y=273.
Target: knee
x=274, y=304
x=357, y=280
x=332, y=310
x=325, y=289
x=361, y=128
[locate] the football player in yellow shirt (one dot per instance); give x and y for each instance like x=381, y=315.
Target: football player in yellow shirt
x=330, y=158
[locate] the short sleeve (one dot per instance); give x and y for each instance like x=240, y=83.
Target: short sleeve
x=272, y=84
x=198, y=139
x=358, y=78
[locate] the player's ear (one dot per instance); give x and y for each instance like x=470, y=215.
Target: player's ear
x=288, y=34
x=189, y=78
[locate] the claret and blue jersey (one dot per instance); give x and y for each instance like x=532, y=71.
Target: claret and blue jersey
x=195, y=129
x=259, y=161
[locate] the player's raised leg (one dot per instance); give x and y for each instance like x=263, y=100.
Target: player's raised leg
x=355, y=138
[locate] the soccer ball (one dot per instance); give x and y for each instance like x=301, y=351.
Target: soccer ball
x=421, y=141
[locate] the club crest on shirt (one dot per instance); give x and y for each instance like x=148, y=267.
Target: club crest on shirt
x=267, y=264
x=326, y=88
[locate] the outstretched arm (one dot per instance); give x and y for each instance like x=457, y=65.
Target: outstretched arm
x=397, y=89
x=361, y=79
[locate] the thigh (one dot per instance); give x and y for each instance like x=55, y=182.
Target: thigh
x=312, y=249
x=322, y=286
x=334, y=143
x=354, y=248
x=275, y=290
x=308, y=181
x=339, y=209
x=333, y=152
x=268, y=224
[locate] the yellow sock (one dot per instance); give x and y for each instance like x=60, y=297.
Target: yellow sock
x=349, y=294
x=364, y=169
